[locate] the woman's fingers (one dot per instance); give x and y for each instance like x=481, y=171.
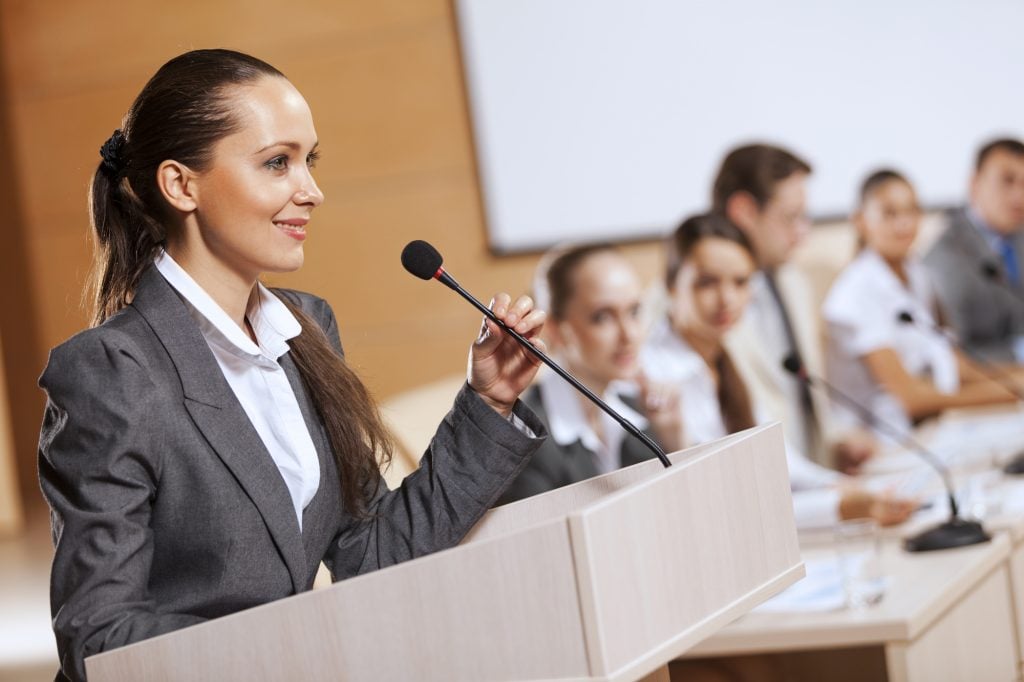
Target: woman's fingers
x=517, y=311
x=531, y=323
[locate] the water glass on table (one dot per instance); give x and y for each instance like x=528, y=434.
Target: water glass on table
x=858, y=543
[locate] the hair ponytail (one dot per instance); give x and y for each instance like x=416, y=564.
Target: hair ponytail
x=361, y=443
x=733, y=397
x=126, y=242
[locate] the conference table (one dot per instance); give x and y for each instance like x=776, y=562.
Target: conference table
x=953, y=614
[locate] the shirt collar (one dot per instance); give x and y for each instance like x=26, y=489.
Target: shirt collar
x=271, y=320
x=992, y=238
x=567, y=422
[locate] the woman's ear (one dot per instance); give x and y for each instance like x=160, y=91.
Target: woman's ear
x=859, y=226
x=177, y=185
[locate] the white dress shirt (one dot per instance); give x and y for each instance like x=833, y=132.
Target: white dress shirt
x=255, y=376
x=666, y=356
x=862, y=315
x=764, y=315
x=568, y=423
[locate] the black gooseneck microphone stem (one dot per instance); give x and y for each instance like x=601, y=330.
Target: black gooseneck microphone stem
x=449, y=281
x=900, y=436
x=990, y=371
x=990, y=271
x=956, y=532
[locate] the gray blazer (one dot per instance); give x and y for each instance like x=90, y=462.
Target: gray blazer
x=167, y=510
x=554, y=465
x=984, y=314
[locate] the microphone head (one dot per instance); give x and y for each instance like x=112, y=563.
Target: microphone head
x=905, y=317
x=989, y=270
x=791, y=363
x=421, y=259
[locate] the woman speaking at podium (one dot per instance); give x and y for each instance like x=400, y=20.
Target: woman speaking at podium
x=204, y=445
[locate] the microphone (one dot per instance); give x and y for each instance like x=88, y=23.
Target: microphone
x=423, y=260
x=990, y=372
x=956, y=532
x=990, y=271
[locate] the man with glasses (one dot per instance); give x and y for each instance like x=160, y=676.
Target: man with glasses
x=762, y=189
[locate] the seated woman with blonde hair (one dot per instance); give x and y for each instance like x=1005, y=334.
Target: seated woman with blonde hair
x=593, y=298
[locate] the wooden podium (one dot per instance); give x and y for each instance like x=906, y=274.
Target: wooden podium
x=608, y=579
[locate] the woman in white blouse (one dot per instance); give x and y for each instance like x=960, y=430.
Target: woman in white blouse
x=710, y=263
x=885, y=347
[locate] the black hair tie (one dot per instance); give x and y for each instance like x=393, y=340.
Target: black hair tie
x=111, y=152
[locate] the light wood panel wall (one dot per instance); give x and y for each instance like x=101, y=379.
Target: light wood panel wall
x=383, y=78
x=10, y=500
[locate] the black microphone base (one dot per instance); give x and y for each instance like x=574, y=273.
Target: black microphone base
x=953, y=533
x=1015, y=466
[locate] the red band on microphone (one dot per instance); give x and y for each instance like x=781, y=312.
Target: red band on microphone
x=440, y=271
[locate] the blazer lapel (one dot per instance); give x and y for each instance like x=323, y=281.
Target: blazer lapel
x=318, y=514
x=220, y=418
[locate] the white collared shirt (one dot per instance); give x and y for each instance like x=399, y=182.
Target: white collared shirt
x=255, y=376
x=667, y=357
x=567, y=421
x=862, y=314
x=764, y=314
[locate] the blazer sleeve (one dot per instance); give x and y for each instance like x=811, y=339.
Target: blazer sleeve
x=100, y=479
x=474, y=455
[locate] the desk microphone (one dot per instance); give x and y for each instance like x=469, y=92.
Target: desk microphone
x=957, y=531
x=989, y=371
x=990, y=271
x=423, y=260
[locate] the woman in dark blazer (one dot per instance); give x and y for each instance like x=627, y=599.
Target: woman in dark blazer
x=593, y=296
x=184, y=484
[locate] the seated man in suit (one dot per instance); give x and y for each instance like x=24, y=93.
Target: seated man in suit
x=762, y=189
x=592, y=295
x=977, y=262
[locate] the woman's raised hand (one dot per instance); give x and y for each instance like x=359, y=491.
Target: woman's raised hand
x=499, y=368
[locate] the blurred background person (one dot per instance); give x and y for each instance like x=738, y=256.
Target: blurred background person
x=884, y=349
x=711, y=264
x=762, y=190
x=977, y=263
x=593, y=296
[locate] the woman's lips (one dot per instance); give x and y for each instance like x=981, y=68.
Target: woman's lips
x=293, y=227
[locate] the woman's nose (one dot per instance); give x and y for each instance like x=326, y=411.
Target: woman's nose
x=309, y=192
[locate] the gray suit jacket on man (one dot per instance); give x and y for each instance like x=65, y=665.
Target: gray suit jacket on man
x=167, y=509
x=554, y=465
x=985, y=315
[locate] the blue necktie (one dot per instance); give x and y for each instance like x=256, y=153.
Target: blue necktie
x=1009, y=261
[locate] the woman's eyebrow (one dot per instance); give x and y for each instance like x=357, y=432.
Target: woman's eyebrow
x=290, y=145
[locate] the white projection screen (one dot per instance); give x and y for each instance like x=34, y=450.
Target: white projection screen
x=606, y=119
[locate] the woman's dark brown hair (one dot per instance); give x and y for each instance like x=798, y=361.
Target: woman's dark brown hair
x=559, y=275
x=182, y=111
x=876, y=179
x=733, y=397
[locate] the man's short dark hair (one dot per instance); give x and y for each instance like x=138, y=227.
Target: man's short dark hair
x=1006, y=144
x=755, y=169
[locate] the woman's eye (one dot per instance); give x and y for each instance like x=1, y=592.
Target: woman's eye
x=277, y=163
x=705, y=282
x=312, y=158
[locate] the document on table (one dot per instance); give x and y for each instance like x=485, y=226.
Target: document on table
x=821, y=590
